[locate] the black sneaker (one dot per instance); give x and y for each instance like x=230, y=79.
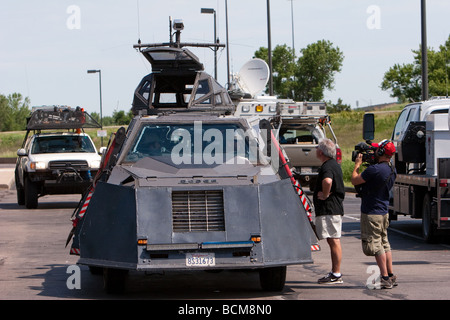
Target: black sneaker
x=386, y=284
x=330, y=279
x=394, y=280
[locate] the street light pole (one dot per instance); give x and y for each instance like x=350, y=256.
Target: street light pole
x=101, y=107
x=269, y=49
x=212, y=11
x=228, y=46
x=292, y=20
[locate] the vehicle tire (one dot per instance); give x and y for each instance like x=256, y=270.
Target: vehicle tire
x=272, y=279
x=429, y=228
x=114, y=280
x=31, y=194
x=96, y=270
x=312, y=184
x=20, y=193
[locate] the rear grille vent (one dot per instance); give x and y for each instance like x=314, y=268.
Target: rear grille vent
x=61, y=165
x=198, y=211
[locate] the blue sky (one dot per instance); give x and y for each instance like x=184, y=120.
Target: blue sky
x=46, y=47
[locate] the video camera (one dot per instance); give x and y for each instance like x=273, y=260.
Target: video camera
x=365, y=148
x=367, y=151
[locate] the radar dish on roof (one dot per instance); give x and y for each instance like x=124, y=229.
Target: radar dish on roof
x=253, y=76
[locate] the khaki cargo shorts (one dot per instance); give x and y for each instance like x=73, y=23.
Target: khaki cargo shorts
x=329, y=226
x=374, y=234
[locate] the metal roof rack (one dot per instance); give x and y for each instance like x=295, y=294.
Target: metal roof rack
x=178, y=82
x=60, y=117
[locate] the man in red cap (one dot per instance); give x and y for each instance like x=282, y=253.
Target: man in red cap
x=376, y=182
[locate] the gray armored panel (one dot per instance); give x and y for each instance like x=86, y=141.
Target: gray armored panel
x=154, y=219
x=108, y=233
x=286, y=231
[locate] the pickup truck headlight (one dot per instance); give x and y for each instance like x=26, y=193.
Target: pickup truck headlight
x=95, y=164
x=38, y=165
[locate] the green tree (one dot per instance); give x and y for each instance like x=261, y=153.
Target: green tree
x=122, y=118
x=95, y=116
x=305, y=78
x=14, y=110
x=338, y=107
x=283, y=65
x=107, y=120
x=405, y=80
x=316, y=69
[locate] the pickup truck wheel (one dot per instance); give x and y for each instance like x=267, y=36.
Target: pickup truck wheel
x=272, y=279
x=20, y=194
x=31, y=194
x=312, y=184
x=429, y=229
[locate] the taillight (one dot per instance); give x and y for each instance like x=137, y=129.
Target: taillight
x=443, y=183
x=338, y=155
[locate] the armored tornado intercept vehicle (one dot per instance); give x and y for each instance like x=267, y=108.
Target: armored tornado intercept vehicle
x=189, y=187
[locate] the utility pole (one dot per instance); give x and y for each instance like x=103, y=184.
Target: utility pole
x=424, y=53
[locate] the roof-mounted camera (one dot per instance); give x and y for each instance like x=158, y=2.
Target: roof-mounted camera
x=178, y=24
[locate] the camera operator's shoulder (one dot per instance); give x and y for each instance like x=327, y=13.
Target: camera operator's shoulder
x=370, y=171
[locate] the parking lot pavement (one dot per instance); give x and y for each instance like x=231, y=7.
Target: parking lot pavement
x=6, y=177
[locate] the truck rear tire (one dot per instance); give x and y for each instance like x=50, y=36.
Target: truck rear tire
x=31, y=194
x=114, y=280
x=429, y=228
x=272, y=279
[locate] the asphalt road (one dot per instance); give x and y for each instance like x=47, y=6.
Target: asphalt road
x=35, y=265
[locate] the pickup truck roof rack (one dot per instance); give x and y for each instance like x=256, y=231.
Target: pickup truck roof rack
x=60, y=117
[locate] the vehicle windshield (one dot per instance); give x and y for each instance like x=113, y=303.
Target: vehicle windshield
x=62, y=144
x=194, y=144
x=300, y=134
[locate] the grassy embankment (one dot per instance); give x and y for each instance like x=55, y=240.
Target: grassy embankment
x=346, y=125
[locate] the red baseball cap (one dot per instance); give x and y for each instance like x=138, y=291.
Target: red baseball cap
x=389, y=148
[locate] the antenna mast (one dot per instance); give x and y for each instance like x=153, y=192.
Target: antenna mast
x=178, y=25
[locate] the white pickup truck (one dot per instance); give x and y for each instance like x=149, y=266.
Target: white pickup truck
x=300, y=126
x=55, y=162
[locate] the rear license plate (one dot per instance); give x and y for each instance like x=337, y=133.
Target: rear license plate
x=200, y=259
x=305, y=170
